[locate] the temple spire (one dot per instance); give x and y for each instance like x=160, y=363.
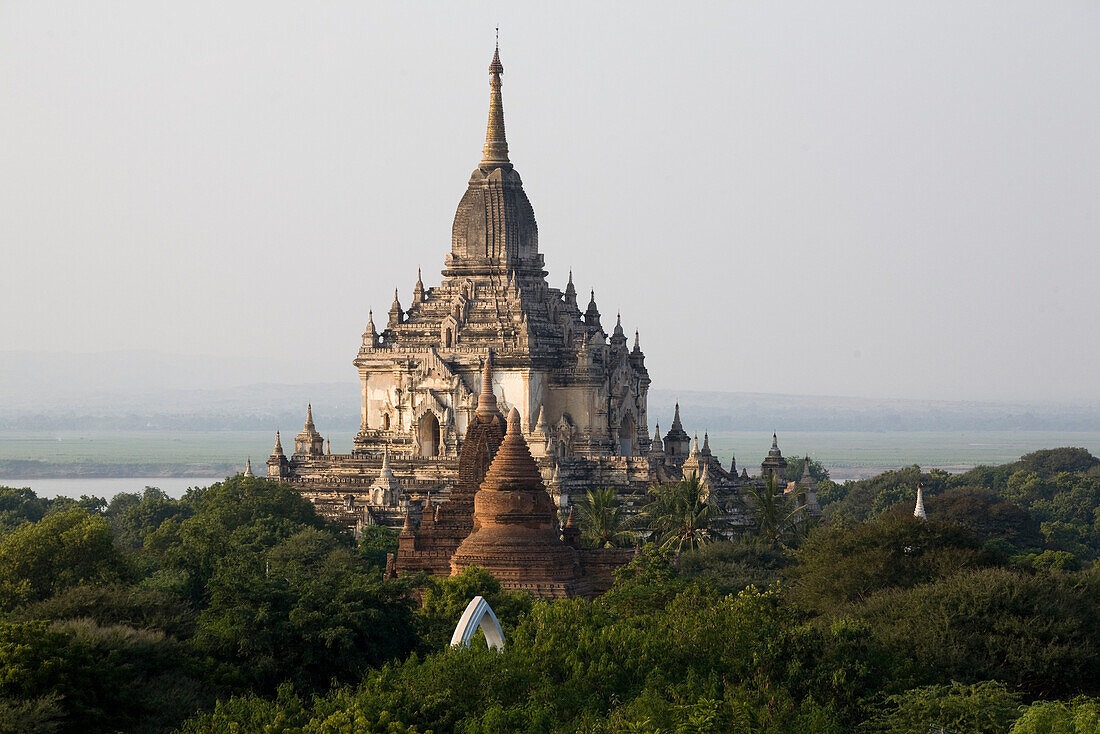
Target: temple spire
x=487, y=401
x=309, y=416
x=495, y=152
x=918, y=511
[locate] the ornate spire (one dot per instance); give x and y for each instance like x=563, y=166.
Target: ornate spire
x=694, y=446
x=618, y=338
x=487, y=401
x=676, y=425
x=328, y=446
x=418, y=289
x=706, y=444
x=637, y=342
x=512, y=467
x=278, y=450
x=918, y=511
x=495, y=152
x=657, y=447
x=248, y=467
x=570, y=522
x=395, y=311
x=370, y=334
x=309, y=416
x=733, y=466
x=570, y=290
x=592, y=314
x=386, y=471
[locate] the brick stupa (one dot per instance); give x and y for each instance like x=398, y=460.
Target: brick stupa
x=516, y=532
x=443, y=527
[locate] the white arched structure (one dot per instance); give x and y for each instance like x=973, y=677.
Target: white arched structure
x=478, y=614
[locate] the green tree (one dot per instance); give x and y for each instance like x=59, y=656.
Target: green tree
x=982, y=708
x=1034, y=632
x=445, y=599
x=90, y=678
x=59, y=551
x=983, y=513
x=376, y=542
x=778, y=520
x=1048, y=462
x=840, y=564
x=18, y=506
x=134, y=516
x=733, y=565
x=603, y=521
x=679, y=515
x=307, y=610
x=1079, y=716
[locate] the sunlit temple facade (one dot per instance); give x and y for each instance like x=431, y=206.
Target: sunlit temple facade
x=579, y=393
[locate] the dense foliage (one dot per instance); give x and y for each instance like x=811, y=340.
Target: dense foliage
x=238, y=609
x=1048, y=501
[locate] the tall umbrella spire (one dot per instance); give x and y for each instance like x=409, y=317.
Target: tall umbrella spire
x=495, y=152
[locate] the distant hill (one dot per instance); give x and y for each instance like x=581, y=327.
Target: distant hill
x=141, y=389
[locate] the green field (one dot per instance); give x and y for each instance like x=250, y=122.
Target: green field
x=847, y=454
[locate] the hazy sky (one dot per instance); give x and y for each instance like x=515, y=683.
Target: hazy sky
x=875, y=199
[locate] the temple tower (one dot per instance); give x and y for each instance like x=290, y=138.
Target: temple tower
x=516, y=532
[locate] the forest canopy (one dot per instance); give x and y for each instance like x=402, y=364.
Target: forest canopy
x=236, y=608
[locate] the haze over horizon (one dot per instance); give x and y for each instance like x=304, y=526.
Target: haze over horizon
x=854, y=199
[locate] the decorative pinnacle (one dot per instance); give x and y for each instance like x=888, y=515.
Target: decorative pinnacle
x=495, y=152
x=487, y=401
x=775, y=441
x=309, y=415
x=278, y=450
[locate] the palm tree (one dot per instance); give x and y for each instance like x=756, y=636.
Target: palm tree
x=679, y=516
x=603, y=522
x=777, y=518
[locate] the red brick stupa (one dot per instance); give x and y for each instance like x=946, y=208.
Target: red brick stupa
x=443, y=527
x=516, y=532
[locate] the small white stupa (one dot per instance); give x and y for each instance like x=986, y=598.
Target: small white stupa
x=918, y=511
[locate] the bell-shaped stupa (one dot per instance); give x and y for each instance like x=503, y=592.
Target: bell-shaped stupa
x=516, y=533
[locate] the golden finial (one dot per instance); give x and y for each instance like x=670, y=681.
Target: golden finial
x=495, y=152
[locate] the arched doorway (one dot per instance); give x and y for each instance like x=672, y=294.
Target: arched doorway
x=627, y=432
x=428, y=431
